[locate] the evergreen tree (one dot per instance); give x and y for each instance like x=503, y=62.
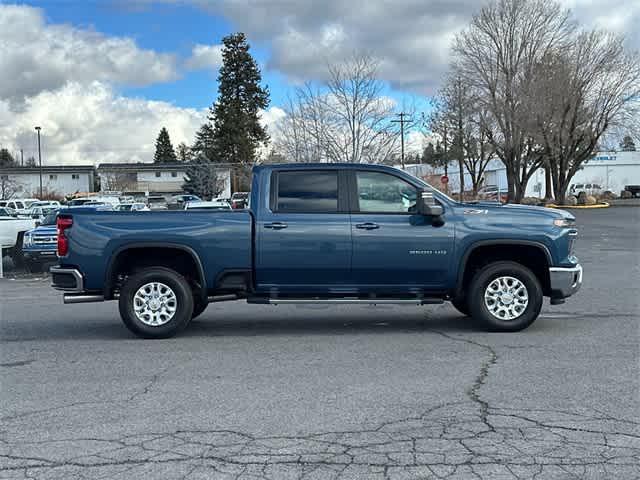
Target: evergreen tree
x=31, y=162
x=201, y=179
x=164, y=149
x=183, y=152
x=204, y=144
x=627, y=144
x=6, y=159
x=237, y=130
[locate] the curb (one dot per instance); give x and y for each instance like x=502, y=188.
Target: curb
x=598, y=205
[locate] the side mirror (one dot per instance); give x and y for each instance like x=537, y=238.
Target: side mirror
x=38, y=223
x=427, y=205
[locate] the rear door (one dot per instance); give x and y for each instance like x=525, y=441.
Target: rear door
x=304, y=236
x=394, y=248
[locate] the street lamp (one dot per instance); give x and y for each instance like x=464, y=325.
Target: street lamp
x=39, y=160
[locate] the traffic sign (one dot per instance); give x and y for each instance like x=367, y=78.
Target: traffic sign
x=444, y=179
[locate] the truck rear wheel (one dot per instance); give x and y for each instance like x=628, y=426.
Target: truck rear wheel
x=505, y=297
x=156, y=302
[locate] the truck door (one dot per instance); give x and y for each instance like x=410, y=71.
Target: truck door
x=393, y=247
x=304, y=236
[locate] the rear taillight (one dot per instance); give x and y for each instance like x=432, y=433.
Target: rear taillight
x=63, y=242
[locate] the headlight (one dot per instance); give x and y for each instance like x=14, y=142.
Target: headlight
x=564, y=222
x=26, y=241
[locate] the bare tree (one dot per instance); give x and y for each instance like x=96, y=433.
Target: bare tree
x=346, y=119
x=8, y=187
x=577, y=95
x=496, y=55
x=118, y=182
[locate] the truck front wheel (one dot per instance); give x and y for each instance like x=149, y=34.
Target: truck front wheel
x=505, y=297
x=156, y=302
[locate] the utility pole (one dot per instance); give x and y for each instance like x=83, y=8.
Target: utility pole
x=21, y=157
x=402, y=121
x=40, y=160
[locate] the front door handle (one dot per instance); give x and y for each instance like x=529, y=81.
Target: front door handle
x=367, y=226
x=275, y=225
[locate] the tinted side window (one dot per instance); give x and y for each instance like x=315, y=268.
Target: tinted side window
x=384, y=193
x=307, y=192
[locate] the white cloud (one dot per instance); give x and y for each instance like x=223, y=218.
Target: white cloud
x=205, y=57
x=36, y=56
x=410, y=38
x=89, y=124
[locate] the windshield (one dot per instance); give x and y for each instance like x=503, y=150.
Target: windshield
x=50, y=219
x=124, y=208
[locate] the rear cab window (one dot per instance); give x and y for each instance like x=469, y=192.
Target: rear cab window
x=304, y=191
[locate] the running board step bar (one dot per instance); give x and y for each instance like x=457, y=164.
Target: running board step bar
x=346, y=301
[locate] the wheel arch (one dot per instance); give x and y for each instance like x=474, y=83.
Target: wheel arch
x=463, y=273
x=116, y=259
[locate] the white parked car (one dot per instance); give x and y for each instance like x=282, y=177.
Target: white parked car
x=39, y=212
x=132, y=207
x=12, y=231
x=588, y=188
x=216, y=204
x=16, y=204
x=45, y=203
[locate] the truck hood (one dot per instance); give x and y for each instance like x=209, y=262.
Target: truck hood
x=516, y=210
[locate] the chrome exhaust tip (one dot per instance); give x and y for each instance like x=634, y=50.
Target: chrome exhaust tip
x=68, y=298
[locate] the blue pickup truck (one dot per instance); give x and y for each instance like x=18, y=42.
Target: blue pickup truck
x=322, y=233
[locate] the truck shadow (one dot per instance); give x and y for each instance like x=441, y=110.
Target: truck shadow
x=351, y=324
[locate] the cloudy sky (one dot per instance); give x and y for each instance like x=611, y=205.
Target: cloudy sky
x=102, y=77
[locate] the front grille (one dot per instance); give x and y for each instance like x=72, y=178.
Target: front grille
x=44, y=240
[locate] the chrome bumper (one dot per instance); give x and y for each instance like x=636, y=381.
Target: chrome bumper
x=565, y=281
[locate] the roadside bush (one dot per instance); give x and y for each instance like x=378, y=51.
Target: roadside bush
x=530, y=201
x=626, y=194
x=608, y=195
x=571, y=200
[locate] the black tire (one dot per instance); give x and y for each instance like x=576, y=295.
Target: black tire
x=184, y=302
x=488, y=274
x=461, y=304
x=33, y=267
x=199, y=306
x=17, y=256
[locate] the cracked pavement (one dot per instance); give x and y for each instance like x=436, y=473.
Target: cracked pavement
x=253, y=392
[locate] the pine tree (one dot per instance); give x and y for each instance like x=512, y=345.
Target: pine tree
x=237, y=130
x=627, y=144
x=205, y=143
x=6, y=159
x=184, y=153
x=164, y=149
x=201, y=179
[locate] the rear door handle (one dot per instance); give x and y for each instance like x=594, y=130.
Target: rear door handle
x=367, y=226
x=275, y=225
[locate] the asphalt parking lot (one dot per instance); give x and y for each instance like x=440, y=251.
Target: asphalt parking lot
x=323, y=393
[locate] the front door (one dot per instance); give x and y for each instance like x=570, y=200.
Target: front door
x=304, y=237
x=395, y=249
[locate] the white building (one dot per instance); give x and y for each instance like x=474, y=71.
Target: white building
x=611, y=170
x=56, y=180
x=151, y=179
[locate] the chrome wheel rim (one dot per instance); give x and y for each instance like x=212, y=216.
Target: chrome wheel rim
x=506, y=298
x=155, y=304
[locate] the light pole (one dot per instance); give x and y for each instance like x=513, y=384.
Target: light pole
x=39, y=160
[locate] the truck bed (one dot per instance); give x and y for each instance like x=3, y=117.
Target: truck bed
x=221, y=240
